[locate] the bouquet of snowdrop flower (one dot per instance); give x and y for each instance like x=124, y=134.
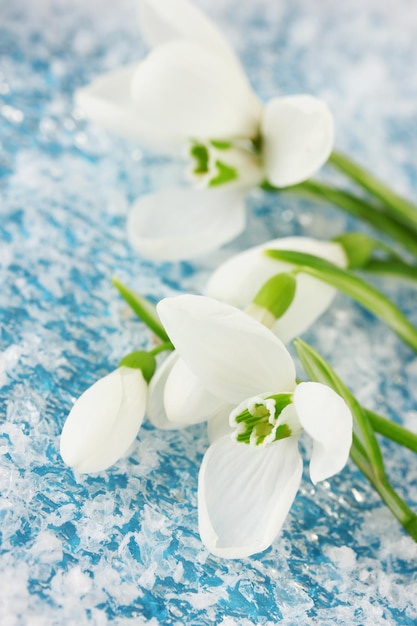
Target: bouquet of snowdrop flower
x=227, y=363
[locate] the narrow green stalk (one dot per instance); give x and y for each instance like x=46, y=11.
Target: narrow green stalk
x=144, y=309
x=320, y=371
x=365, y=451
x=404, y=210
x=167, y=345
x=389, y=429
x=366, y=294
x=397, y=506
x=356, y=206
x=400, y=269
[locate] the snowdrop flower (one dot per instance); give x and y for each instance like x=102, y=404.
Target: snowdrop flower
x=248, y=480
x=175, y=392
x=191, y=91
x=238, y=280
x=104, y=421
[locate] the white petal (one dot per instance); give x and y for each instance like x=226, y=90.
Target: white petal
x=186, y=400
x=155, y=409
x=219, y=425
x=326, y=417
x=234, y=356
x=183, y=88
x=245, y=493
x=104, y=421
x=161, y=21
x=298, y=138
x=239, y=279
x=108, y=102
x=184, y=223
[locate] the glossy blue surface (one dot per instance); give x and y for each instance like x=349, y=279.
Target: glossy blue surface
x=122, y=546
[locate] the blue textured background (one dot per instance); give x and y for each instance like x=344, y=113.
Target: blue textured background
x=122, y=546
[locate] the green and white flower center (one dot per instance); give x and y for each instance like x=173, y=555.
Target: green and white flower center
x=261, y=421
x=216, y=163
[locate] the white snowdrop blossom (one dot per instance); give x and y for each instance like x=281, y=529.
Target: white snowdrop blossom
x=238, y=280
x=104, y=421
x=176, y=396
x=249, y=477
x=191, y=94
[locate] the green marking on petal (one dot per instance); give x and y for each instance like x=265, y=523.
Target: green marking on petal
x=220, y=145
x=200, y=154
x=258, y=423
x=282, y=432
x=225, y=174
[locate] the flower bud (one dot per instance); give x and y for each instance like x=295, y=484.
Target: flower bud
x=104, y=421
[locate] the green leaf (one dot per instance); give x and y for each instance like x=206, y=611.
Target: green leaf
x=226, y=174
x=277, y=294
x=400, y=208
x=320, y=371
x=140, y=360
x=399, y=269
x=391, y=430
x=373, y=213
x=365, y=452
x=366, y=294
x=144, y=309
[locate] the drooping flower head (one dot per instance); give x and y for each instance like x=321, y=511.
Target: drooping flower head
x=238, y=280
x=105, y=419
x=249, y=478
x=191, y=91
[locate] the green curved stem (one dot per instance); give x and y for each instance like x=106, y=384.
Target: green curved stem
x=144, y=309
x=365, y=451
x=319, y=370
x=357, y=207
x=364, y=293
x=391, y=430
x=392, y=268
x=167, y=345
x=397, y=506
x=404, y=210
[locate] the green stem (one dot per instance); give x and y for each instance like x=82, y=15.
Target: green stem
x=365, y=451
x=167, y=345
x=392, y=267
x=353, y=205
x=397, y=506
x=144, y=309
x=404, y=210
x=319, y=370
x=389, y=429
x=355, y=287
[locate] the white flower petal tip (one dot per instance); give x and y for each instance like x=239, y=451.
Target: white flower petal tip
x=107, y=101
x=325, y=416
x=233, y=355
x=183, y=88
x=239, y=279
x=185, y=223
x=161, y=21
x=244, y=495
x=104, y=421
x=298, y=134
